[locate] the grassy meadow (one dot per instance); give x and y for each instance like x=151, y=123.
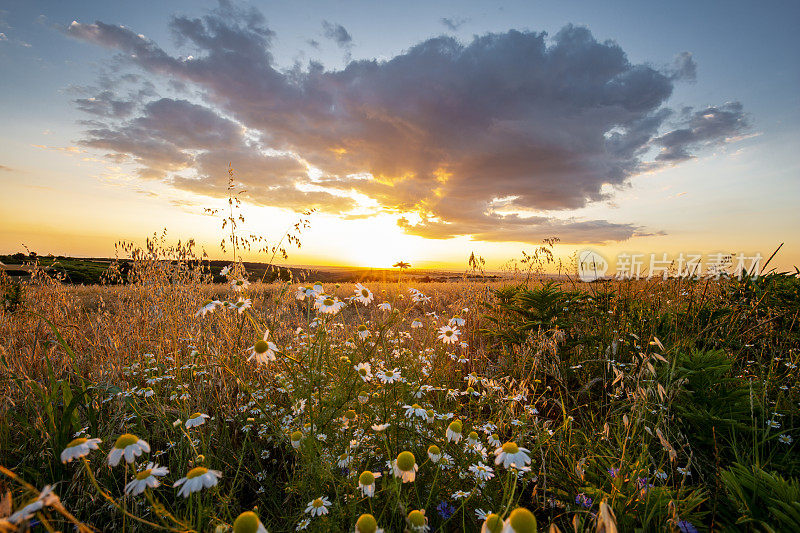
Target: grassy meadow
x=518, y=405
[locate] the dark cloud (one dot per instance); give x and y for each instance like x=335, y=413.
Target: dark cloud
x=105, y=105
x=463, y=134
x=706, y=127
x=337, y=33
x=453, y=23
x=313, y=43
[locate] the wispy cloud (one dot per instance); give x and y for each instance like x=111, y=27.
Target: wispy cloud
x=442, y=130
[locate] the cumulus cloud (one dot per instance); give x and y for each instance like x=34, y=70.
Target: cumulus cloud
x=337, y=33
x=471, y=137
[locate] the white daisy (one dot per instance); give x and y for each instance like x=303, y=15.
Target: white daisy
x=263, y=351
x=46, y=498
x=448, y=334
x=364, y=371
x=197, y=419
x=208, y=307
x=239, y=284
x=197, y=479
x=390, y=376
x=482, y=472
x=380, y=427
x=128, y=445
x=363, y=332
x=295, y=438
x=405, y=467
x=329, y=305
x=366, y=523
x=434, y=453
x=454, y=431
x=243, y=304
x=416, y=324
x=319, y=506
x=366, y=482
x=418, y=522
x=415, y=409
x=303, y=524
x=457, y=321
x=511, y=455
x=78, y=448
x=784, y=439
x=146, y=478
x=385, y=306
x=363, y=294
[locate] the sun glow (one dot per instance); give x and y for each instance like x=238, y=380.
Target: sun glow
x=380, y=244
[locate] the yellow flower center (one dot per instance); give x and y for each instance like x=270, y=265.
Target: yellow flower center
x=328, y=302
x=430, y=413
x=362, y=371
x=434, y=450
x=406, y=461
x=196, y=415
x=510, y=447
x=522, y=521
x=455, y=426
x=261, y=346
x=494, y=524
x=473, y=435
x=144, y=474
x=470, y=390
x=196, y=472
x=416, y=518
x=449, y=332
x=350, y=414
x=389, y=374
x=126, y=440
x=296, y=436
x=77, y=442
x=365, y=293
x=366, y=478
x=366, y=524
x=416, y=406
x=318, y=503
x=246, y=522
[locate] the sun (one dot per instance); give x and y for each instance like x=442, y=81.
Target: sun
x=380, y=244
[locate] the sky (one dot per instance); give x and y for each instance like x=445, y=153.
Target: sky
x=417, y=131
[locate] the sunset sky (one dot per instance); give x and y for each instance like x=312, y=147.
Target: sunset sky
x=420, y=131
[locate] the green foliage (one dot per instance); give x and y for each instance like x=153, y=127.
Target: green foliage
x=760, y=500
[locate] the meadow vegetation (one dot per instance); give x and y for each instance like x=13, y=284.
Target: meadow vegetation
x=165, y=402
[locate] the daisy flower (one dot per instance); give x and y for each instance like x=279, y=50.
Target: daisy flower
x=416, y=324
x=457, y=321
x=344, y=460
x=434, y=453
x=366, y=482
x=512, y=455
x=197, y=479
x=263, y=351
x=146, y=478
x=318, y=289
x=208, y=307
x=224, y=270
x=415, y=409
x=329, y=305
x=459, y=494
x=243, y=304
x=318, y=507
x=454, y=431
x=46, y=498
x=448, y=334
x=363, y=332
x=480, y=514
x=366, y=523
x=239, y=284
x=295, y=438
x=684, y=471
x=494, y=440
x=197, y=419
x=303, y=524
x=248, y=522
x=405, y=466
x=472, y=438
x=380, y=427
x=492, y=524
x=363, y=294
x=385, y=306
x=364, y=371
x=128, y=445
x=78, y=448
x=482, y=471
x=520, y=520
x=303, y=292
x=390, y=376
x=784, y=439
x=774, y=424
x=418, y=522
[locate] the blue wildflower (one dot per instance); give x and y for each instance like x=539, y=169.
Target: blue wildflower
x=684, y=526
x=445, y=510
x=583, y=500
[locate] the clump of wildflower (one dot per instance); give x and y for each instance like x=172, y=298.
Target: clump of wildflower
x=78, y=448
x=129, y=446
x=405, y=466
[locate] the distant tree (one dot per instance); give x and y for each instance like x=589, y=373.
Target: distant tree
x=402, y=265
